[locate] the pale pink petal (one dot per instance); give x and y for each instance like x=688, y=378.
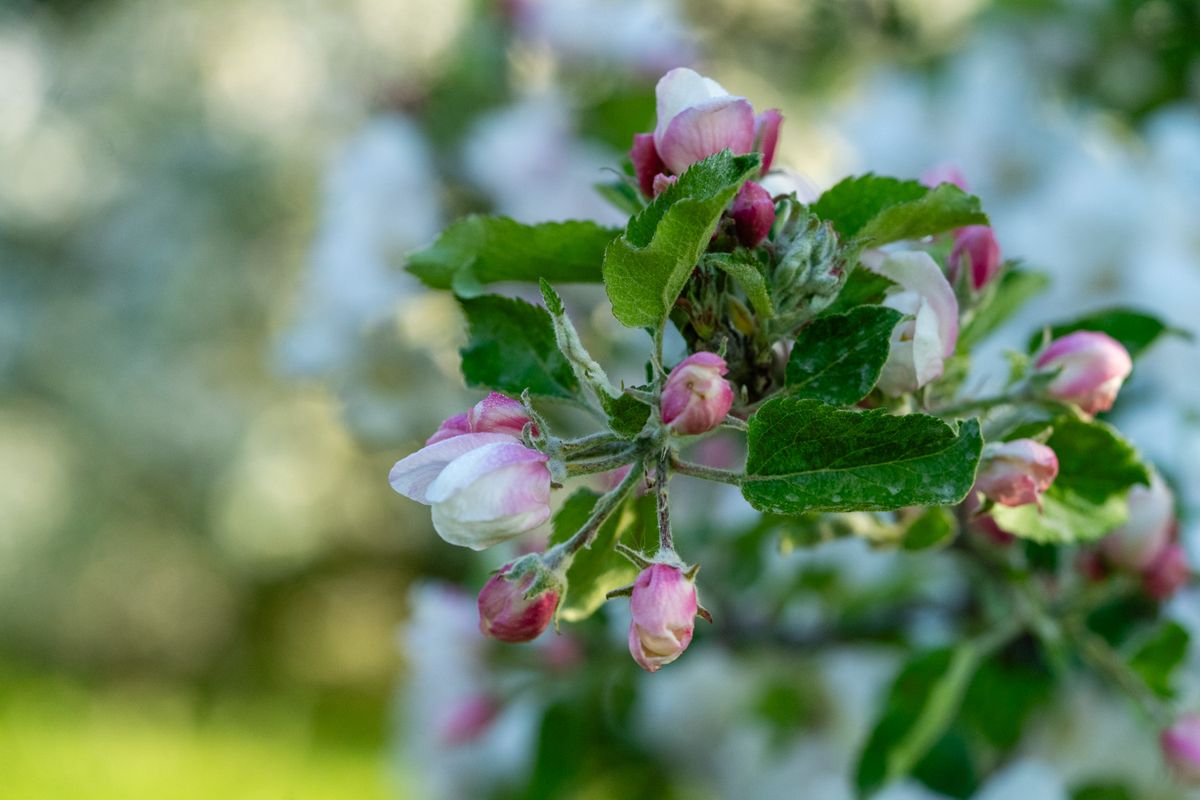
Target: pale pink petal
x=489, y=472
x=916, y=271
x=679, y=89
x=702, y=130
x=498, y=413
x=412, y=475
x=454, y=426
x=766, y=134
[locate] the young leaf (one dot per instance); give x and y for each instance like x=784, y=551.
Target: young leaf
x=1096, y=468
x=837, y=359
x=477, y=250
x=862, y=287
x=646, y=267
x=743, y=268
x=880, y=210
x=599, y=569
x=512, y=348
x=626, y=414
x=805, y=455
x=1159, y=656
x=922, y=703
x=1001, y=300
x=936, y=527
x=1134, y=329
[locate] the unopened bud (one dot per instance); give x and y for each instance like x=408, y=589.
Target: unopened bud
x=1137, y=543
x=664, y=609
x=695, y=398
x=518, y=601
x=976, y=249
x=1168, y=573
x=1092, y=366
x=753, y=214
x=1017, y=473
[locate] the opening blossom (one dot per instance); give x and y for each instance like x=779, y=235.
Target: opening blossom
x=1137, y=543
x=1016, y=473
x=1092, y=366
x=695, y=398
x=664, y=606
x=697, y=118
x=920, y=345
x=483, y=484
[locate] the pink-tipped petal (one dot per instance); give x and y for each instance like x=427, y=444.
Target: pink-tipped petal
x=454, y=426
x=677, y=90
x=646, y=162
x=1092, y=368
x=766, y=134
x=700, y=131
x=976, y=245
x=498, y=413
x=696, y=398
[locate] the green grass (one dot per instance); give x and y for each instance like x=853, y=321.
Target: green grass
x=63, y=741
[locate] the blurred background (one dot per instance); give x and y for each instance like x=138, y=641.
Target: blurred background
x=210, y=357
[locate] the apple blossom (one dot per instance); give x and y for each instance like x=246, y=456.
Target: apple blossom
x=1167, y=573
x=664, y=609
x=1016, y=473
x=1137, y=543
x=483, y=488
x=697, y=118
x=695, y=398
x=919, y=345
x=1092, y=366
x=753, y=214
x=495, y=413
x=1181, y=747
x=976, y=249
x=518, y=601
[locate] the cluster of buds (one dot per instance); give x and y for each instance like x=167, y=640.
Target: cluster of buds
x=1016, y=473
x=698, y=118
x=1147, y=544
x=482, y=483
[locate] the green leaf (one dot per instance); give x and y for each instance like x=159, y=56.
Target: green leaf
x=1103, y=791
x=837, y=359
x=476, y=251
x=922, y=703
x=1000, y=301
x=622, y=195
x=626, y=414
x=743, y=267
x=1159, y=656
x=599, y=569
x=511, y=348
x=1096, y=468
x=1133, y=329
x=1007, y=690
x=879, y=210
x=936, y=527
x=805, y=455
x=646, y=267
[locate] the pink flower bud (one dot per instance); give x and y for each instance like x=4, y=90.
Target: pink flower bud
x=1181, y=748
x=1017, y=473
x=766, y=136
x=1168, y=573
x=468, y=720
x=518, y=601
x=753, y=214
x=1092, y=366
x=495, y=413
x=483, y=488
x=664, y=609
x=976, y=244
x=696, y=398
x=1137, y=543
x=662, y=183
x=646, y=163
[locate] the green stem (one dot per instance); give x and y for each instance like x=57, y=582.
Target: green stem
x=707, y=473
x=981, y=403
x=561, y=555
x=661, y=477
x=591, y=466
x=1100, y=656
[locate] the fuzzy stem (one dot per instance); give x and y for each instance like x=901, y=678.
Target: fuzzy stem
x=1100, y=656
x=662, y=475
x=561, y=555
x=591, y=466
x=707, y=473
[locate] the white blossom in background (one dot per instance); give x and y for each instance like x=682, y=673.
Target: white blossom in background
x=442, y=754
x=644, y=35
x=381, y=199
x=529, y=160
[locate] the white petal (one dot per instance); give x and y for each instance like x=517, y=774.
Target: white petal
x=412, y=475
x=679, y=89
